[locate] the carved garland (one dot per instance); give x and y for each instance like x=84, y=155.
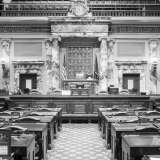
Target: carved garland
x=27, y=68
x=131, y=67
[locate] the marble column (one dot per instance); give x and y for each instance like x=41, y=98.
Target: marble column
x=5, y=61
x=55, y=63
x=110, y=62
x=48, y=45
x=52, y=65
x=103, y=82
x=153, y=65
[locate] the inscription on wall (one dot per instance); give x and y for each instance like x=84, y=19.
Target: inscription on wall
x=25, y=29
x=134, y=29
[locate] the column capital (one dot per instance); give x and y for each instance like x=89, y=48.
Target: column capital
x=155, y=40
x=6, y=42
x=58, y=38
x=102, y=38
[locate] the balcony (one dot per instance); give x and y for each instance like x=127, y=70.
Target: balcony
x=98, y=8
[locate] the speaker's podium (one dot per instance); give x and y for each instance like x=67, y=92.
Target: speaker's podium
x=80, y=90
x=80, y=86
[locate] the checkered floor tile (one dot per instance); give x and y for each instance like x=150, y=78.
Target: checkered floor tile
x=79, y=142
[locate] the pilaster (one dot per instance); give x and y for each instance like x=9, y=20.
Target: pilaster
x=5, y=61
x=52, y=64
x=153, y=43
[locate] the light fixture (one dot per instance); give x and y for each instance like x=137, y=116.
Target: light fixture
x=3, y=63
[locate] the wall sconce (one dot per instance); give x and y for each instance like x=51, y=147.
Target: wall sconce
x=3, y=63
x=154, y=62
x=5, y=67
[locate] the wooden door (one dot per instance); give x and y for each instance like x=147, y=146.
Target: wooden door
x=25, y=79
x=131, y=82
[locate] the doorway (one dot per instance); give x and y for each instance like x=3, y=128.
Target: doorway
x=131, y=82
x=27, y=82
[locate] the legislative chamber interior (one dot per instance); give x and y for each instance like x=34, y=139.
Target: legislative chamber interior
x=80, y=79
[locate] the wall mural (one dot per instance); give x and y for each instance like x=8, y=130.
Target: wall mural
x=79, y=60
x=27, y=67
x=131, y=67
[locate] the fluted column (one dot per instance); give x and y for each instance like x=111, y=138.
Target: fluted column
x=55, y=63
x=6, y=63
x=103, y=82
x=153, y=65
x=48, y=45
x=110, y=62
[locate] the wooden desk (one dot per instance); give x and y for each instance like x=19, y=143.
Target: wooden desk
x=55, y=116
x=135, y=146
x=59, y=110
x=50, y=121
x=40, y=130
x=93, y=101
x=100, y=110
x=116, y=132
x=108, y=121
x=24, y=146
x=80, y=91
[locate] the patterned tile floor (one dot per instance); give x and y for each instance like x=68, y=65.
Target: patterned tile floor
x=79, y=142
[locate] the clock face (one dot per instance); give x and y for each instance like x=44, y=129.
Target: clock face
x=79, y=10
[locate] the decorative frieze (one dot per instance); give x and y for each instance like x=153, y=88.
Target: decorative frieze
x=27, y=67
x=131, y=67
x=5, y=61
x=153, y=65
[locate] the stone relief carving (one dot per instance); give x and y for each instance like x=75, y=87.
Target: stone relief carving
x=79, y=8
x=6, y=62
x=131, y=67
x=153, y=65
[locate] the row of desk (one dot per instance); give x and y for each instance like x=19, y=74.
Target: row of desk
x=130, y=137
x=44, y=123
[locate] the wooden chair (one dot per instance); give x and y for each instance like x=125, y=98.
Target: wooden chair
x=2, y=120
x=153, y=113
x=16, y=129
x=17, y=109
x=141, y=109
x=132, y=121
x=147, y=129
x=27, y=120
x=45, y=110
x=143, y=120
x=120, y=114
x=5, y=113
x=35, y=114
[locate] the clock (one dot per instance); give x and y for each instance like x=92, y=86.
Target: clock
x=79, y=10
